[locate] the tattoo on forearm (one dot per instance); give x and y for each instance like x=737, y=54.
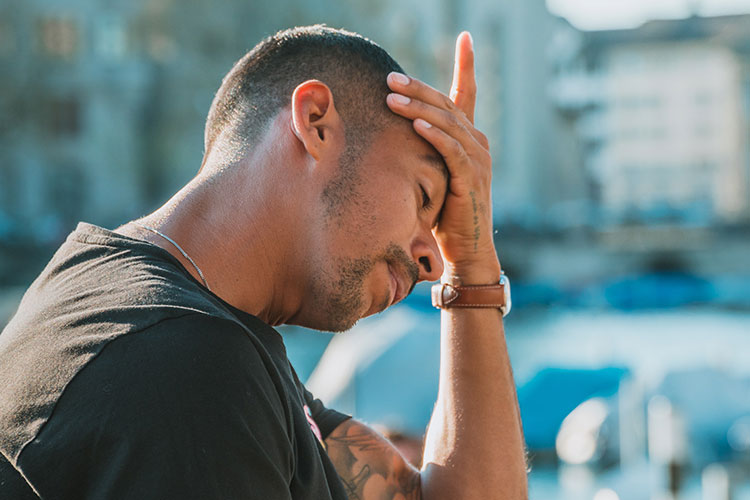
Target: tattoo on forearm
x=476, y=220
x=367, y=462
x=356, y=484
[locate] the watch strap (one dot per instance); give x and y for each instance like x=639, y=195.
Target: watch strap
x=445, y=296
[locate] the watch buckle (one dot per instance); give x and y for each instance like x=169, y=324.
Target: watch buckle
x=443, y=295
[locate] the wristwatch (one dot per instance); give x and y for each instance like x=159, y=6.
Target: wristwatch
x=446, y=296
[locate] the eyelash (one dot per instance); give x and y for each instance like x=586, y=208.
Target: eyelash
x=426, y=201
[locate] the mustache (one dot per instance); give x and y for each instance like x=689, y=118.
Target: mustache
x=396, y=256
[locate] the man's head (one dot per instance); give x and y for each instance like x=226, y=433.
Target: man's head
x=262, y=83
x=348, y=175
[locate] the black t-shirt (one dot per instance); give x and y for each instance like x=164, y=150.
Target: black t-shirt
x=122, y=377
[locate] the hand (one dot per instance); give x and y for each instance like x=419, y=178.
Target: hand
x=464, y=233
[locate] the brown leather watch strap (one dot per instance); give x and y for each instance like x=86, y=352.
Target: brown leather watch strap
x=445, y=296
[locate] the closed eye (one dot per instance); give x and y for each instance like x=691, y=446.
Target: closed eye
x=426, y=201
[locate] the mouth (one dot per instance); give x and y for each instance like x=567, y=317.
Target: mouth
x=398, y=290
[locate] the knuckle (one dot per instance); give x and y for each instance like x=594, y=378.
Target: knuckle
x=463, y=118
x=453, y=122
x=485, y=157
x=457, y=150
x=482, y=167
x=482, y=139
x=448, y=103
x=487, y=176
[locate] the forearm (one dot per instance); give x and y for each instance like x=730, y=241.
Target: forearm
x=474, y=446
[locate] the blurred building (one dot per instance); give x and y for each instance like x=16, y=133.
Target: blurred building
x=102, y=110
x=69, y=126
x=662, y=111
x=538, y=181
x=103, y=105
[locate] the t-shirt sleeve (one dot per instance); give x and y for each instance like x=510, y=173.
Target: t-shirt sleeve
x=326, y=418
x=181, y=410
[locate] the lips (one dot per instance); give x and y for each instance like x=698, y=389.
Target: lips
x=399, y=290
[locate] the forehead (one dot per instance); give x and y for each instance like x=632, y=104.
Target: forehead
x=401, y=146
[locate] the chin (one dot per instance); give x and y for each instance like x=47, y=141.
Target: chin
x=338, y=327
x=334, y=323
x=337, y=308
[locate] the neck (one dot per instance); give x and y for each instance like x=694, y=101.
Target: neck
x=223, y=223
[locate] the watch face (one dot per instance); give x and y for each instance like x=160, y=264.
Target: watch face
x=506, y=292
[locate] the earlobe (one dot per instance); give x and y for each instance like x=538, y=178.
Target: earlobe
x=313, y=116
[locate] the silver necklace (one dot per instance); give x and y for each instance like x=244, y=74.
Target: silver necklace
x=179, y=248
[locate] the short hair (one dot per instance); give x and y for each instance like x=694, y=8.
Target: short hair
x=261, y=83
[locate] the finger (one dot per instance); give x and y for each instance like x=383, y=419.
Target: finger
x=448, y=147
x=456, y=158
x=445, y=120
x=415, y=89
x=464, y=87
x=455, y=124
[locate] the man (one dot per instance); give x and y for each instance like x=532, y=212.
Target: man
x=141, y=363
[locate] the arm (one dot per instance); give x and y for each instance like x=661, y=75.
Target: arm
x=369, y=465
x=474, y=446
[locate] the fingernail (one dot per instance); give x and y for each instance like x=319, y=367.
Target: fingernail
x=422, y=123
x=400, y=99
x=471, y=39
x=399, y=78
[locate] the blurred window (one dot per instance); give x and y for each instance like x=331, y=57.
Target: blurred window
x=704, y=98
x=653, y=101
x=62, y=116
x=65, y=194
x=704, y=130
x=161, y=47
x=629, y=102
x=57, y=37
x=640, y=102
x=111, y=39
x=632, y=61
x=7, y=37
x=630, y=134
x=659, y=133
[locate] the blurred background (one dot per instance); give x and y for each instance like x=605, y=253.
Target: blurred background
x=619, y=132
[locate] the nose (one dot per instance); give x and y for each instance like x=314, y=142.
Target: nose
x=426, y=252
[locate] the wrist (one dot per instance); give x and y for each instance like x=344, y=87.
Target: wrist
x=485, y=272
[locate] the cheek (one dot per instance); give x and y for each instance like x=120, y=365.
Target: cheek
x=388, y=215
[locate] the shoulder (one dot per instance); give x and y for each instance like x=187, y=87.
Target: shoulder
x=180, y=375
x=186, y=361
x=192, y=393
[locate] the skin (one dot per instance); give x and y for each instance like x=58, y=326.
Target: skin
x=309, y=265
x=474, y=444
x=303, y=263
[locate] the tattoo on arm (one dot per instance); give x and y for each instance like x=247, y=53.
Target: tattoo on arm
x=476, y=220
x=369, y=465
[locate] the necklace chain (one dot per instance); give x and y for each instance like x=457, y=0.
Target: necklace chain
x=179, y=248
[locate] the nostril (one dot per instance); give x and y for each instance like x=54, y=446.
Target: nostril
x=426, y=264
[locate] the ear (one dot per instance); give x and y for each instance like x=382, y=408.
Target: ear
x=315, y=120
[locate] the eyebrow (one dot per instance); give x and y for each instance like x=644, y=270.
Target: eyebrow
x=437, y=162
